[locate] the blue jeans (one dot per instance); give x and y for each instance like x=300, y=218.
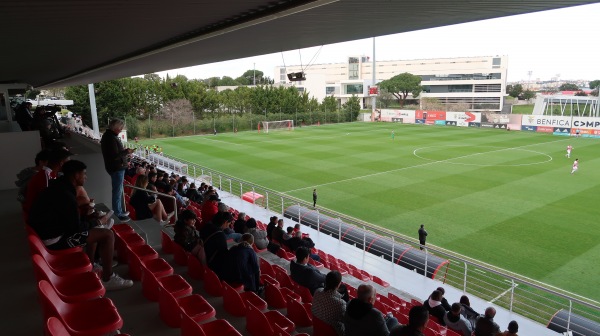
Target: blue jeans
x=117, y=191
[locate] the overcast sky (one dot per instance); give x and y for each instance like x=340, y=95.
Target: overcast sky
x=561, y=42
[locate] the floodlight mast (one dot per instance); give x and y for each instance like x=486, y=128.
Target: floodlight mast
x=373, y=97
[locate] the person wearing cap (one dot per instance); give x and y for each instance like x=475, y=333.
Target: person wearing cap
x=115, y=162
x=209, y=209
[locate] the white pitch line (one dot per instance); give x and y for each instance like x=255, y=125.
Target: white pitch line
x=415, y=166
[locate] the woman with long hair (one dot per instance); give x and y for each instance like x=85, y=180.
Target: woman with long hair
x=146, y=205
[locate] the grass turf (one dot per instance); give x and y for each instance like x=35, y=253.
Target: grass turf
x=505, y=198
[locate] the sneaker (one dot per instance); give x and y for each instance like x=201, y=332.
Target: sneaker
x=109, y=224
x=126, y=213
x=124, y=218
x=97, y=268
x=116, y=283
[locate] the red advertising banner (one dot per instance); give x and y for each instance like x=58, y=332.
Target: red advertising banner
x=430, y=115
x=545, y=129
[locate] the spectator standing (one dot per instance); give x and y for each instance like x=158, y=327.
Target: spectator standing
x=243, y=264
x=314, y=198
x=362, y=319
x=328, y=305
x=455, y=321
x=115, y=162
x=56, y=219
x=417, y=322
x=485, y=325
x=422, y=236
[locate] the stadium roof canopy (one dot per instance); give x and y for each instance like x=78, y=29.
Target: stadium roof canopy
x=60, y=43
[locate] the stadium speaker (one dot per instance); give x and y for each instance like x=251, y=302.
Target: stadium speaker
x=296, y=76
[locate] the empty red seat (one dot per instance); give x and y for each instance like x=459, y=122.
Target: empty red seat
x=71, y=288
x=136, y=255
x=152, y=270
x=166, y=243
x=61, y=263
x=299, y=313
x=282, y=277
x=236, y=303
x=261, y=324
x=172, y=308
x=321, y=328
x=315, y=263
x=195, y=268
x=267, y=279
x=92, y=317
x=122, y=240
x=280, y=332
x=189, y=327
x=285, y=255
x=380, y=281
x=180, y=255
x=266, y=268
x=54, y=327
x=278, y=297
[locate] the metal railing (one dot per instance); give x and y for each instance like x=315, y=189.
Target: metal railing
x=514, y=292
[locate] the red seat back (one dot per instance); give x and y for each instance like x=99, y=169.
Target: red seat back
x=321, y=328
x=298, y=313
x=232, y=301
x=257, y=323
x=212, y=284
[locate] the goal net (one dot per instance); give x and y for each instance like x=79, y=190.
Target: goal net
x=269, y=126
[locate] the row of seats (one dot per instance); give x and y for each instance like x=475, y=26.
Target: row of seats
x=72, y=295
x=259, y=319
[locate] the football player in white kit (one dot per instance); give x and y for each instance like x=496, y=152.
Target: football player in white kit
x=569, y=149
x=575, y=166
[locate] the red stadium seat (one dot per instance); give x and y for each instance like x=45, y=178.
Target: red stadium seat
x=299, y=313
x=73, y=288
x=92, y=317
x=189, y=327
x=321, y=328
x=260, y=324
x=61, y=263
x=166, y=243
x=236, y=303
x=152, y=270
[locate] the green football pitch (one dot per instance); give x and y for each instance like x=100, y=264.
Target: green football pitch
x=505, y=198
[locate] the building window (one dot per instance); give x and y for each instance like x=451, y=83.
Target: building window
x=496, y=61
x=329, y=90
x=460, y=88
x=356, y=89
x=353, y=71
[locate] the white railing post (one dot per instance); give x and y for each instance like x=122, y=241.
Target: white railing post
x=512, y=294
x=339, y=229
x=426, y=256
x=195, y=172
x=393, y=249
x=465, y=279
x=220, y=182
x=569, y=317
x=318, y=221
x=364, y=238
x=299, y=213
x=241, y=189
x=230, y=190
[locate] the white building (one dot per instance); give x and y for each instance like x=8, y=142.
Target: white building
x=480, y=82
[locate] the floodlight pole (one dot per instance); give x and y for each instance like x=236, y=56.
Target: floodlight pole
x=92, y=95
x=373, y=98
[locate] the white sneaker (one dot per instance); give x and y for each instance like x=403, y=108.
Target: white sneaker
x=116, y=283
x=109, y=224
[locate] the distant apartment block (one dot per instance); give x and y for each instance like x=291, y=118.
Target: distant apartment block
x=478, y=82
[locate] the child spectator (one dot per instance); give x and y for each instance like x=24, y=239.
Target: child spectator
x=187, y=236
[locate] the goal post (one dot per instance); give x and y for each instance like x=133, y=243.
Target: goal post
x=280, y=125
